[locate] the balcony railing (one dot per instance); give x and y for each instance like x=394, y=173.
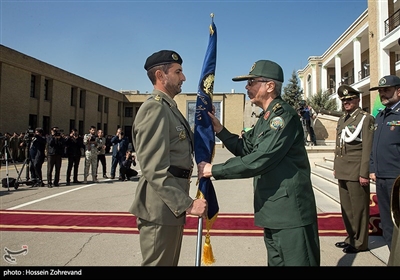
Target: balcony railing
x=392, y=22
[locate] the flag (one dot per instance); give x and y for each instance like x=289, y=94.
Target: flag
x=204, y=137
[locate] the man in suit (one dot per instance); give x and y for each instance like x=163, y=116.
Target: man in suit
x=120, y=144
x=355, y=131
x=273, y=153
x=164, y=146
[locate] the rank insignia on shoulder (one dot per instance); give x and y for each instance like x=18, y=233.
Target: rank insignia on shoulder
x=277, y=123
x=277, y=109
x=157, y=98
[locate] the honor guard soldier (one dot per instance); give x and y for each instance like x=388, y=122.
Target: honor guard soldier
x=354, y=136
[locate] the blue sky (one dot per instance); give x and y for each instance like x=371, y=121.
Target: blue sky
x=108, y=42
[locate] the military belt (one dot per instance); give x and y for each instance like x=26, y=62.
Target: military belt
x=180, y=172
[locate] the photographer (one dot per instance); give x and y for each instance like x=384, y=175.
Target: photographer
x=37, y=145
x=125, y=171
x=307, y=115
x=74, y=145
x=55, y=152
x=120, y=146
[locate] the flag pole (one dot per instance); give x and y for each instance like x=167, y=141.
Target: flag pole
x=199, y=193
x=199, y=241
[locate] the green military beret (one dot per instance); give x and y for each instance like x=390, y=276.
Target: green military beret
x=346, y=92
x=162, y=57
x=263, y=68
x=387, y=81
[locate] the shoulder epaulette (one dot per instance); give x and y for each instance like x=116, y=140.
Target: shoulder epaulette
x=277, y=109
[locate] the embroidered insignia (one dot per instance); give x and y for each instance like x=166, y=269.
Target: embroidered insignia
x=277, y=123
x=157, y=98
x=266, y=115
x=182, y=135
x=179, y=128
x=382, y=82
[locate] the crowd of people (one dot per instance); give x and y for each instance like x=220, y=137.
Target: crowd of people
x=34, y=147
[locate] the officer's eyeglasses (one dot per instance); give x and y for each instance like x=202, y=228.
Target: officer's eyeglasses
x=251, y=82
x=348, y=99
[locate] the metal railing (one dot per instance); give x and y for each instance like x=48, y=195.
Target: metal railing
x=392, y=22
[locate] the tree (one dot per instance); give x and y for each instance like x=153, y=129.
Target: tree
x=322, y=101
x=292, y=93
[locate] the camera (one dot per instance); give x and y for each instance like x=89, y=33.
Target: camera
x=29, y=134
x=58, y=132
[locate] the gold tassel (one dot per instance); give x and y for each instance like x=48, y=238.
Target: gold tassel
x=208, y=256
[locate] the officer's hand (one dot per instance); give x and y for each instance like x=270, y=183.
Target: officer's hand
x=372, y=177
x=204, y=170
x=215, y=122
x=198, y=208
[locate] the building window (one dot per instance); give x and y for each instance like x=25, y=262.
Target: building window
x=192, y=111
x=72, y=102
x=82, y=99
x=98, y=126
x=72, y=124
x=119, y=109
x=81, y=128
x=32, y=121
x=33, y=86
x=106, y=101
x=46, y=89
x=309, y=85
x=105, y=129
x=129, y=112
x=99, y=103
x=46, y=124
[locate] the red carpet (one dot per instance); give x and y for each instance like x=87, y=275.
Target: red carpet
x=329, y=224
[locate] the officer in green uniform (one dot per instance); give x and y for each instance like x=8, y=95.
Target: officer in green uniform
x=273, y=153
x=164, y=146
x=355, y=132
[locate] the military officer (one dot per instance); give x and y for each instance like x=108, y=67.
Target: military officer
x=355, y=130
x=163, y=142
x=91, y=151
x=384, y=160
x=273, y=153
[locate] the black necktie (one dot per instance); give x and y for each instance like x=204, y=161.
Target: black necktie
x=347, y=117
x=387, y=111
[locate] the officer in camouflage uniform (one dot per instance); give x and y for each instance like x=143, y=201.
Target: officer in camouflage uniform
x=91, y=151
x=273, y=153
x=355, y=131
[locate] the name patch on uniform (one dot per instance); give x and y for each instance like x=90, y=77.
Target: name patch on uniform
x=277, y=123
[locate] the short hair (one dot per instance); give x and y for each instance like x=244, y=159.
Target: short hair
x=151, y=73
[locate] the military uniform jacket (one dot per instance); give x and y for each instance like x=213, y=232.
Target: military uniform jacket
x=162, y=137
x=273, y=153
x=385, y=155
x=353, y=145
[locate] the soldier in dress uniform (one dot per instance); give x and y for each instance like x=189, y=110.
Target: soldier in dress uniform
x=385, y=155
x=163, y=142
x=355, y=131
x=273, y=153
